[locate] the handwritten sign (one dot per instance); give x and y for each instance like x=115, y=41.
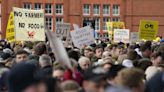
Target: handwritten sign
x=29, y=24
x=121, y=35
x=82, y=36
x=62, y=30
x=134, y=37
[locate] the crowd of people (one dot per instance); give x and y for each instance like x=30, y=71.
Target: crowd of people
x=100, y=67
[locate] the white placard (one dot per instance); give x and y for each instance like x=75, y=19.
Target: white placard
x=121, y=35
x=134, y=37
x=29, y=24
x=62, y=30
x=82, y=36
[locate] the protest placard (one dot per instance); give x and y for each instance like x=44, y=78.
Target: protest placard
x=82, y=36
x=62, y=30
x=121, y=35
x=148, y=29
x=114, y=25
x=134, y=37
x=75, y=26
x=10, y=28
x=29, y=24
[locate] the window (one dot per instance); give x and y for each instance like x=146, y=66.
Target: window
x=38, y=6
x=116, y=10
x=96, y=9
x=115, y=19
x=86, y=9
x=85, y=21
x=49, y=23
x=27, y=6
x=59, y=9
x=97, y=23
x=106, y=10
x=104, y=23
x=59, y=20
x=48, y=8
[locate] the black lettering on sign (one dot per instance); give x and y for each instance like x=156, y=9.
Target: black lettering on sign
x=17, y=14
x=21, y=25
x=33, y=26
x=149, y=26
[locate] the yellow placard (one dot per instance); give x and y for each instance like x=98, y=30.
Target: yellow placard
x=148, y=29
x=114, y=25
x=10, y=28
x=109, y=28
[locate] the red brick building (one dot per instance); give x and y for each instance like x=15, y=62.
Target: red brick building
x=75, y=11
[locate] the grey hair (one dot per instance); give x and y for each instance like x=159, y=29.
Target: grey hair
x=45, y=60
x=83, y=59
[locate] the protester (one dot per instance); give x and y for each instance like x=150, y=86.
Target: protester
x=131, y=78
x=95, y=79
x=21, y=56
x=88, y=52
x=21, y=78
x=58, y=72
x=45, y=63
x=84, y=64
x=70, y=86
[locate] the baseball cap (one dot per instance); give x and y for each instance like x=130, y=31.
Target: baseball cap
x=95, y=74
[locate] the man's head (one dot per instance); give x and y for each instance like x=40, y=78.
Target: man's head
x=88, y=52
x=131, y=78
x=84, y=63
x=21, y=78
x=45, y=60
x=158, y=59
x=95, y=79
x=69, y=86
x=58, y=72
x=98, y=51
x=21, y=55
x=40, y=49
x=146, y=49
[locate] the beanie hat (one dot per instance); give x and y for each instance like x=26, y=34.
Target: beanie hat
x=21, y=76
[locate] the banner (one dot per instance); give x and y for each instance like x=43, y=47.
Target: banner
x=148, y=29
x=121, y=35
x=82, y=36
x=114, y=25
x=134, y=37
x=10, y=28
x=29, y=24
x=58, y=49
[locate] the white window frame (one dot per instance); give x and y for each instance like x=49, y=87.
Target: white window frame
x=50, y=27
x=27, y=5
x=96, y=9
x=97, y=23
x=38, y=6
x=105, y=19
x=116, y=10
x=86, y=9
x=59, y=7
x=61, y=20
x=49, y=8
x=106, y=8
